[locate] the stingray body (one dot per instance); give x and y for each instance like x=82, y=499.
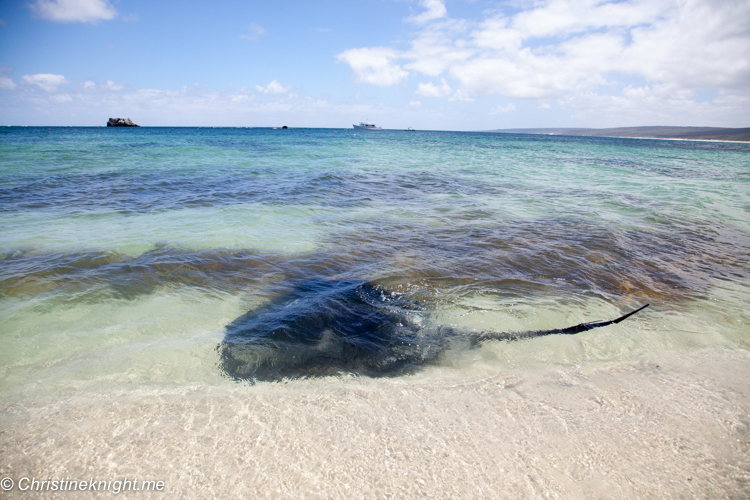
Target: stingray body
x=323, y=327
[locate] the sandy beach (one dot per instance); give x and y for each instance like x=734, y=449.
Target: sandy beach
x=673, y=427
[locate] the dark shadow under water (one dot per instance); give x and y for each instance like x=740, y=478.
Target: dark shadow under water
x=325, y=327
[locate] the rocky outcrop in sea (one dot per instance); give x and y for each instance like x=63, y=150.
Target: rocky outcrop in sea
x=121, y=122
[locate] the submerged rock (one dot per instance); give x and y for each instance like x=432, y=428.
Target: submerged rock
x=121, y=122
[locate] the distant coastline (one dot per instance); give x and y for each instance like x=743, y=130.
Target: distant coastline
x=676, y=133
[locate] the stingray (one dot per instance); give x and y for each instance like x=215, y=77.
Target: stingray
x=325, y=327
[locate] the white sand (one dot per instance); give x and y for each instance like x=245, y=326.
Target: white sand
x=635, y=430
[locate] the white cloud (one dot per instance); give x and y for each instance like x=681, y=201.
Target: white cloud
x=437, y=48
x=274, y=88
x=242, y=98
x=435, y=9
x=430, y=90
x=74, y=11
x=568, y=49
x=658, y=105
x=706, y=45
x=563, y=17
x=502, y=109
x=85, y=102
x=189, y=105
x=461, y=96
x=61, y=98
x=44, y=81
x=6, y=82
x=253, y=32
x=196, y=106
x=114, y=86
x=374, y=66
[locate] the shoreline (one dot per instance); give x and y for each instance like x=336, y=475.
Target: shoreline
x=659, y=138
x=624, y=137
x=656, y=428
x=667, y=133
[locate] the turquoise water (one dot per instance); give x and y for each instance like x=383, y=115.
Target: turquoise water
x=127, y=252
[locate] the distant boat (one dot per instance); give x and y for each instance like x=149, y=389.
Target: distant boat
x=409, y=129
x=366, y=126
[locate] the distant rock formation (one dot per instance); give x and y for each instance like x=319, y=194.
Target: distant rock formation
x=121, y=122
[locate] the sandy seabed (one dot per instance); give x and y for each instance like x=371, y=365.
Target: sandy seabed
x=675, y=427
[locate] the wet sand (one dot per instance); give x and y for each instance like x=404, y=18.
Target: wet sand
x=673, y=426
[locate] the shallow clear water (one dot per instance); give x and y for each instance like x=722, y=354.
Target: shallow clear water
x=127, y=252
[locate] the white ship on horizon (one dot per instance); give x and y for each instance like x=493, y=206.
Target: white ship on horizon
x=365, y=125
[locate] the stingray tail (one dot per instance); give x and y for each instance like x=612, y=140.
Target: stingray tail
x=629, y=314
x=588, y=326
x=558, y=331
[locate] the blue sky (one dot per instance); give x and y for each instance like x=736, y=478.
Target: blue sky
x=428, y=64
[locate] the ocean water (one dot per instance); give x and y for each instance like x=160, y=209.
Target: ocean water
x=266, y=313
x=126, y=253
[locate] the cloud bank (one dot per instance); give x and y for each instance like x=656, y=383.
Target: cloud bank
x=581, y=53
x=46, y=99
